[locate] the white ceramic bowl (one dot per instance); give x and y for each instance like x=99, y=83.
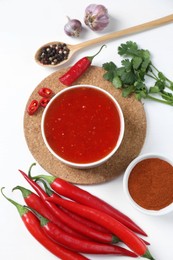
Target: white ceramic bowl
x=95, y=163
x=127, y=173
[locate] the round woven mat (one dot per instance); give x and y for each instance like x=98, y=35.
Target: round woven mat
x=134, y=136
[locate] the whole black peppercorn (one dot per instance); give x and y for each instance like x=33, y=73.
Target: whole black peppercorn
x=53, y=54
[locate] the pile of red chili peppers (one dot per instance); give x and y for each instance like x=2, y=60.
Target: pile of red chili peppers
x=69, y=221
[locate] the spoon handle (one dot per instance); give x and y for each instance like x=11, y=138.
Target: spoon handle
x=131, y=30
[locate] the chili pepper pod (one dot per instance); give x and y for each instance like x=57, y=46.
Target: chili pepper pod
x=87, y=222
x=81, y=228
x=79, y=218
x=77, y=194
x=79, y=245
x=122, y=232
x=77, y=69
x=75, y=216
x=33, y=225
x=33, y=201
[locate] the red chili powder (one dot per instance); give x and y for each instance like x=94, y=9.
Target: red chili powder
x=151, y=184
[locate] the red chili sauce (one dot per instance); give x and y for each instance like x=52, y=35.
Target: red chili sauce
x=82, y=125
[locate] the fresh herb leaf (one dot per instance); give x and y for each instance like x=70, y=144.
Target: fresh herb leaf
x=137, y=61
x=128, y=49
x=117, y=82
x=128, y=78
x=127, y=91
x=111, y=68
x=154, y=89
x=132, y=75
x=140, y=95
x=127, y=65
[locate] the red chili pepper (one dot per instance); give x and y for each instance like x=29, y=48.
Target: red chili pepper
x=84, y=221
x=91, y=224
x=36, y=203
x=77, y=69
x=44, y=101
x=80, y=245
x=77, y=194
x=79, y=218
x=89, y=232
x=126, y=235
x=45, y=92
x=33, y=225
x=32, y=107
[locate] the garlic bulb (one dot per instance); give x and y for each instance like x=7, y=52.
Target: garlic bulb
x=73, y=27
x=96, y=17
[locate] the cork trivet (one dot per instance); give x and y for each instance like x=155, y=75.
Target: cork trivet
x=134, y=136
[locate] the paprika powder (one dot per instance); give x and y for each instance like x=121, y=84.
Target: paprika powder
x=151, y=183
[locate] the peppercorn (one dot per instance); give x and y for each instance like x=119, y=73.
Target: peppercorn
x=53, y=54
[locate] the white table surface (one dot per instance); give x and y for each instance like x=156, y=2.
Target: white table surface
x=24, y=26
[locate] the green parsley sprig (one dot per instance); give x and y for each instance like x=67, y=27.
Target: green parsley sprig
x=132, y=75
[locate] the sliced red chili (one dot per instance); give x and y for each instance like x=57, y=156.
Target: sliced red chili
x=44, y=101
x=32, y=107
x=45, y=92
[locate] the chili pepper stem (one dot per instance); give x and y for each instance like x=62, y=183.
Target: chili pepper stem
x=47, y=178
x=24, y=191
x=90, y=58
x=47, y=189
x=43, y=220
x=148, y=255
x=21, y=209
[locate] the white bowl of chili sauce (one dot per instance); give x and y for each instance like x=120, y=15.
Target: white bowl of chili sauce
x=83, y=126
x=148, y=182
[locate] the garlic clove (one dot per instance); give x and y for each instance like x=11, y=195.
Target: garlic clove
x=96, y=17
x=73, y=27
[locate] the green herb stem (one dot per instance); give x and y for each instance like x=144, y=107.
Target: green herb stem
x=160, y=100
x=152, y=76
x=164, y=78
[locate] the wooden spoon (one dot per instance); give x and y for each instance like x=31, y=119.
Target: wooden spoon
x=135, y=29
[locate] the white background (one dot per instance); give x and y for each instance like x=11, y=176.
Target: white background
x=24, y=26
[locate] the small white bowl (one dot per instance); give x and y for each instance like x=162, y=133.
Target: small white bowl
x=127, y=173
x=90, y=164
